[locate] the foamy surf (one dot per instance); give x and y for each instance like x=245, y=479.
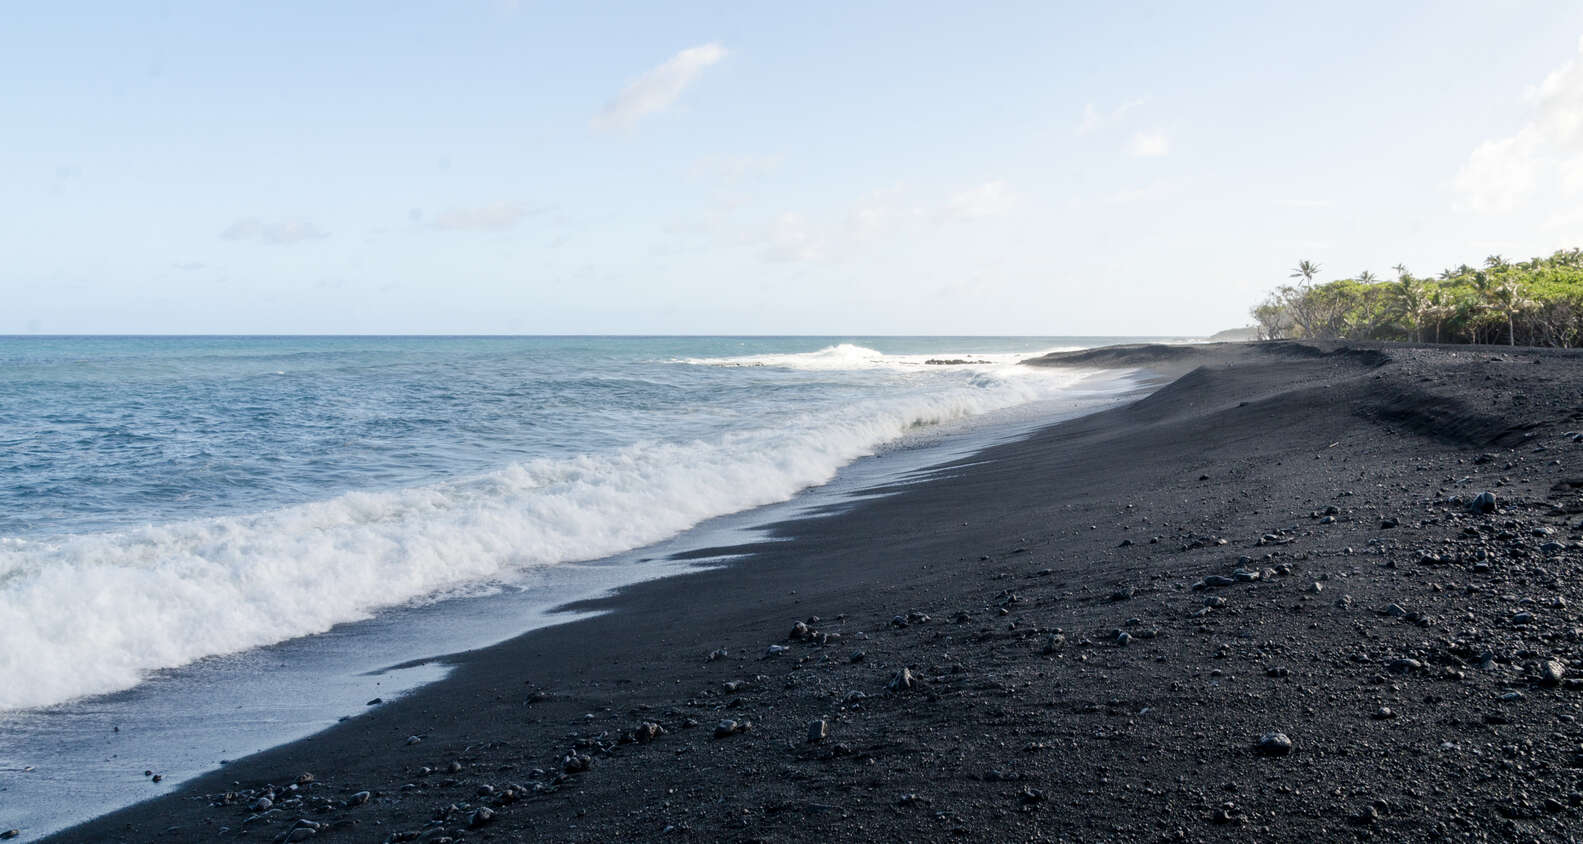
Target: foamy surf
x=93, y=613
x=850, y=356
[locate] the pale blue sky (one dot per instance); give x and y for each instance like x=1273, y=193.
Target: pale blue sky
x=1021, y=168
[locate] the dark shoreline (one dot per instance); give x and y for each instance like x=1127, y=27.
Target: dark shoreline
x=1095, y=525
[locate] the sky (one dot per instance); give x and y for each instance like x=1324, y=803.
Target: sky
x=1035, y=168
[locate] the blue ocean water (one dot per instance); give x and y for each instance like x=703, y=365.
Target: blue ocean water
x=165, y=499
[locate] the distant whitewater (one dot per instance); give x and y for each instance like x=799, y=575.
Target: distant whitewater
x=167, y=499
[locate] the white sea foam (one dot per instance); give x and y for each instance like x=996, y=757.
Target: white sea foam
x=92, y=613
x=848, y=356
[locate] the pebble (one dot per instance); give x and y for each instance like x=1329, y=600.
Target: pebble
x=1552, y=672
x=481, y=816
x=728, y=727
x=1483, y=503
x=902, y=681
x=818, y=730
x=262, y=804
x=1274, y=744
x=359, y=799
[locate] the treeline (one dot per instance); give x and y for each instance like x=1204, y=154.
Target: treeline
x=1533, y=303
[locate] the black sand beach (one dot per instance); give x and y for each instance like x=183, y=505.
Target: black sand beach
x=1093, y=634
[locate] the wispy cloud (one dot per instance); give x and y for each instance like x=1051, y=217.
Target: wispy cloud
x=658, y=88
x=495, y=217
x=1094, y=118
x=876, y=217
x=1503, y=172
x=986, y=200
x=188, y=266
x=278, y=233
x=1150, y=144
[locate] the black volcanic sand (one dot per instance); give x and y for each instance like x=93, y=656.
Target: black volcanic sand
x=1094, y=629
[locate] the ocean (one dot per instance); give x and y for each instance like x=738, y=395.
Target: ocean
x=178, y=513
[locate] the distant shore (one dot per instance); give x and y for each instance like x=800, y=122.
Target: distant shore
x=1255, y=599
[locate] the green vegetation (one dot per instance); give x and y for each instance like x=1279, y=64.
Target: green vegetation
x=1533, y=303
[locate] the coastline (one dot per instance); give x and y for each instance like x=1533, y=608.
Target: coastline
x=1005, y=728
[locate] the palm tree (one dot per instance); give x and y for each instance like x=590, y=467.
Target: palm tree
x=1367, y=277
x=1401, y=271
x=1414, y=304
x=1508, y=300
x=1496, y=262
x=1305, y=270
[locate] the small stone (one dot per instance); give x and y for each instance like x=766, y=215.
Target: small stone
x=481, y=816
x=1274, y=744
x=717, y=654
x=818, y=729
x=358, y=799
x=576, y=763
x=375, y=702
x=262, y=804
x=1404, y=666
x=413, y=739
x=1552, y=672
x=10, y=833
x=1384, y=713
x=454, y=768
x=1483, y=503
x=799, y=632
x=1365, y=816
x=728, y=727
x=1523, y=618
x=902, y=681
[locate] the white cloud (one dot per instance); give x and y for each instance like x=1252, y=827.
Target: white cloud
x=277, y=233
x=876, y=217
x=986, y=200
x=1501, y=173
x=1093, y=118
x=498, y=216
x=1151, y=144
x=658, y=88
x=1304, y=203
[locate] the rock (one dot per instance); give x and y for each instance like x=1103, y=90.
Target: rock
x=901, y=682
x=818, y=729
x=576, y=763
x=647, y=732
x=482, y=815
x=1274, y=744
x=375, y=702
x=1395, y=611
x=1404, y=665
x=775, y=650
x=1552, y=672
x=1483, y=503
x=1365, y=816
x=1123, y=638
x=728, y=727
x=1123, y=594
x=1384, y=713
x=10, y=833
x=857, y=656
x=358, y=799
x=799, y=632
x=262, y=804
x=717, y=654
x=454, y=768
x=1522, y=618
x=1276, y=671
x=413, y=739
x=1389, y=522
